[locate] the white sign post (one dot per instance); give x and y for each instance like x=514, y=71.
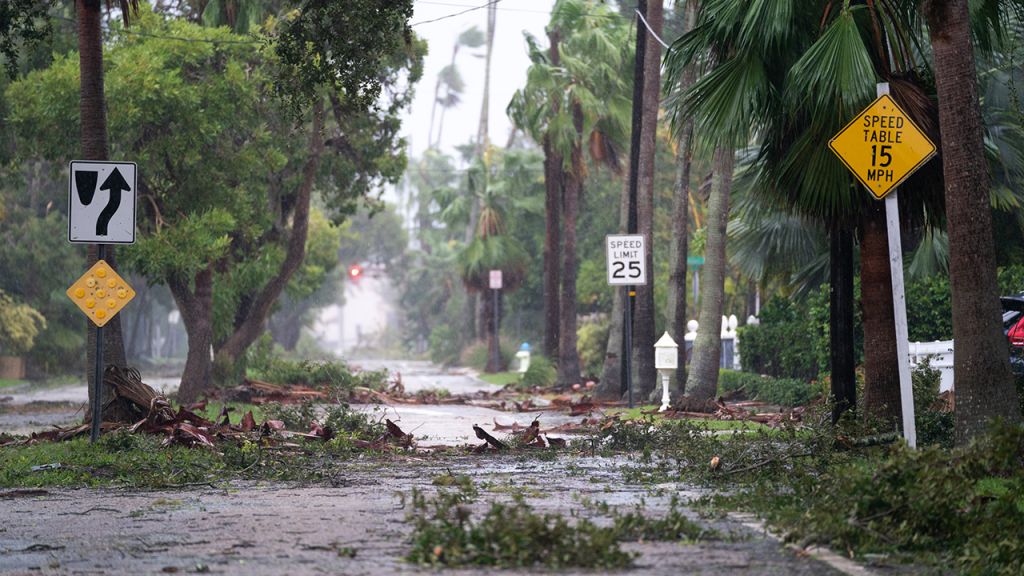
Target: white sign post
x=101, y=202
x=899, y=304
x=495, y=282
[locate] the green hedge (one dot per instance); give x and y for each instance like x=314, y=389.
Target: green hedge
x=475, y=355
x=781, y=391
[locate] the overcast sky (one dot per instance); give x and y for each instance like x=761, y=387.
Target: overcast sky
x=508, y=66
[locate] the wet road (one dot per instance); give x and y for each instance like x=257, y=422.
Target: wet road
x=289, y=529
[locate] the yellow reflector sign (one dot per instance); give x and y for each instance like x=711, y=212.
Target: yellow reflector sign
x=101, y=293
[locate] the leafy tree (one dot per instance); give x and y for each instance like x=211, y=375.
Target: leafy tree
x=211, y=171
x=20, y=325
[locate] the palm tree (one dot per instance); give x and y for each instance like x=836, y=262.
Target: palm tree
x=573, y=95
x=450, y=78
x=675, y=311
x=796, y=76
x=239, y=15
x=643, y=320
x=702, y=383
x=491, y=249
x=982, y=372
x=93, y=118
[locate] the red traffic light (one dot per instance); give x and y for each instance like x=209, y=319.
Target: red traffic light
x=355, y=271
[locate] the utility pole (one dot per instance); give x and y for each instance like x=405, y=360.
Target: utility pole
x=634, y=167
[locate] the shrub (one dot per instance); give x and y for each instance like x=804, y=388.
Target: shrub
x=339, y=417
x=781, y=391
x=933, y=425
x=964, y=505
x=783, y=344
x=787, y=391
x=929, y=309
x=591, y=342
x=264, y=364
x=540, y=373
x=1010, y=280
x=730, y=381
x=475, y=355
x=444, y=345
x=507, y=535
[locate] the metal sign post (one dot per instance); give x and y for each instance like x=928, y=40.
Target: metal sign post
x=97, y=381
x=882, y=147
x=101, y=211
x=627, y=267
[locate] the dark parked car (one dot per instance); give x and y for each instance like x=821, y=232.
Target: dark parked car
x=1013, y=327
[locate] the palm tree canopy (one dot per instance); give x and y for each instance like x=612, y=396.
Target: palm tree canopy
x=595, y=55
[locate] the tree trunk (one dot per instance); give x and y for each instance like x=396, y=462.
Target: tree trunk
x=841, y=302
x=675, y=310
x=568, y=356
x=93, y=135
x=982, y=377
x=196, y=307
x=702, y=381
x=554, y=176
x=255, y=320
x=610, y=386
x=643, y=323
x=881, y=364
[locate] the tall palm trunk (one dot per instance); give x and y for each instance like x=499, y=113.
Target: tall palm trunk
x=881, y=363
x=610, y=386
x=553, y=184
x=93, y=120
x=982, y=377
x=702, y=381
x=841, y=302
x=482, y=142
x=568, y=356
x=675, y=310
x=643, y=323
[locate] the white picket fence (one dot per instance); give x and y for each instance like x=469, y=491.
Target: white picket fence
x=940, y=353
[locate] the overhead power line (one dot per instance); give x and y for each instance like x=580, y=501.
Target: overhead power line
x=472, y=8
x=454, y=14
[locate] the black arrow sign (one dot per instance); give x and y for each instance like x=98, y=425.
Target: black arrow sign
x=116, y=184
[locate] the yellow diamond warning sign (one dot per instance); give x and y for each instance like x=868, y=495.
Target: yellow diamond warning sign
x=882, y=146
x=101, y=293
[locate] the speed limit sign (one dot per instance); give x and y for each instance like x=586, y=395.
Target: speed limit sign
x=627, y=259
